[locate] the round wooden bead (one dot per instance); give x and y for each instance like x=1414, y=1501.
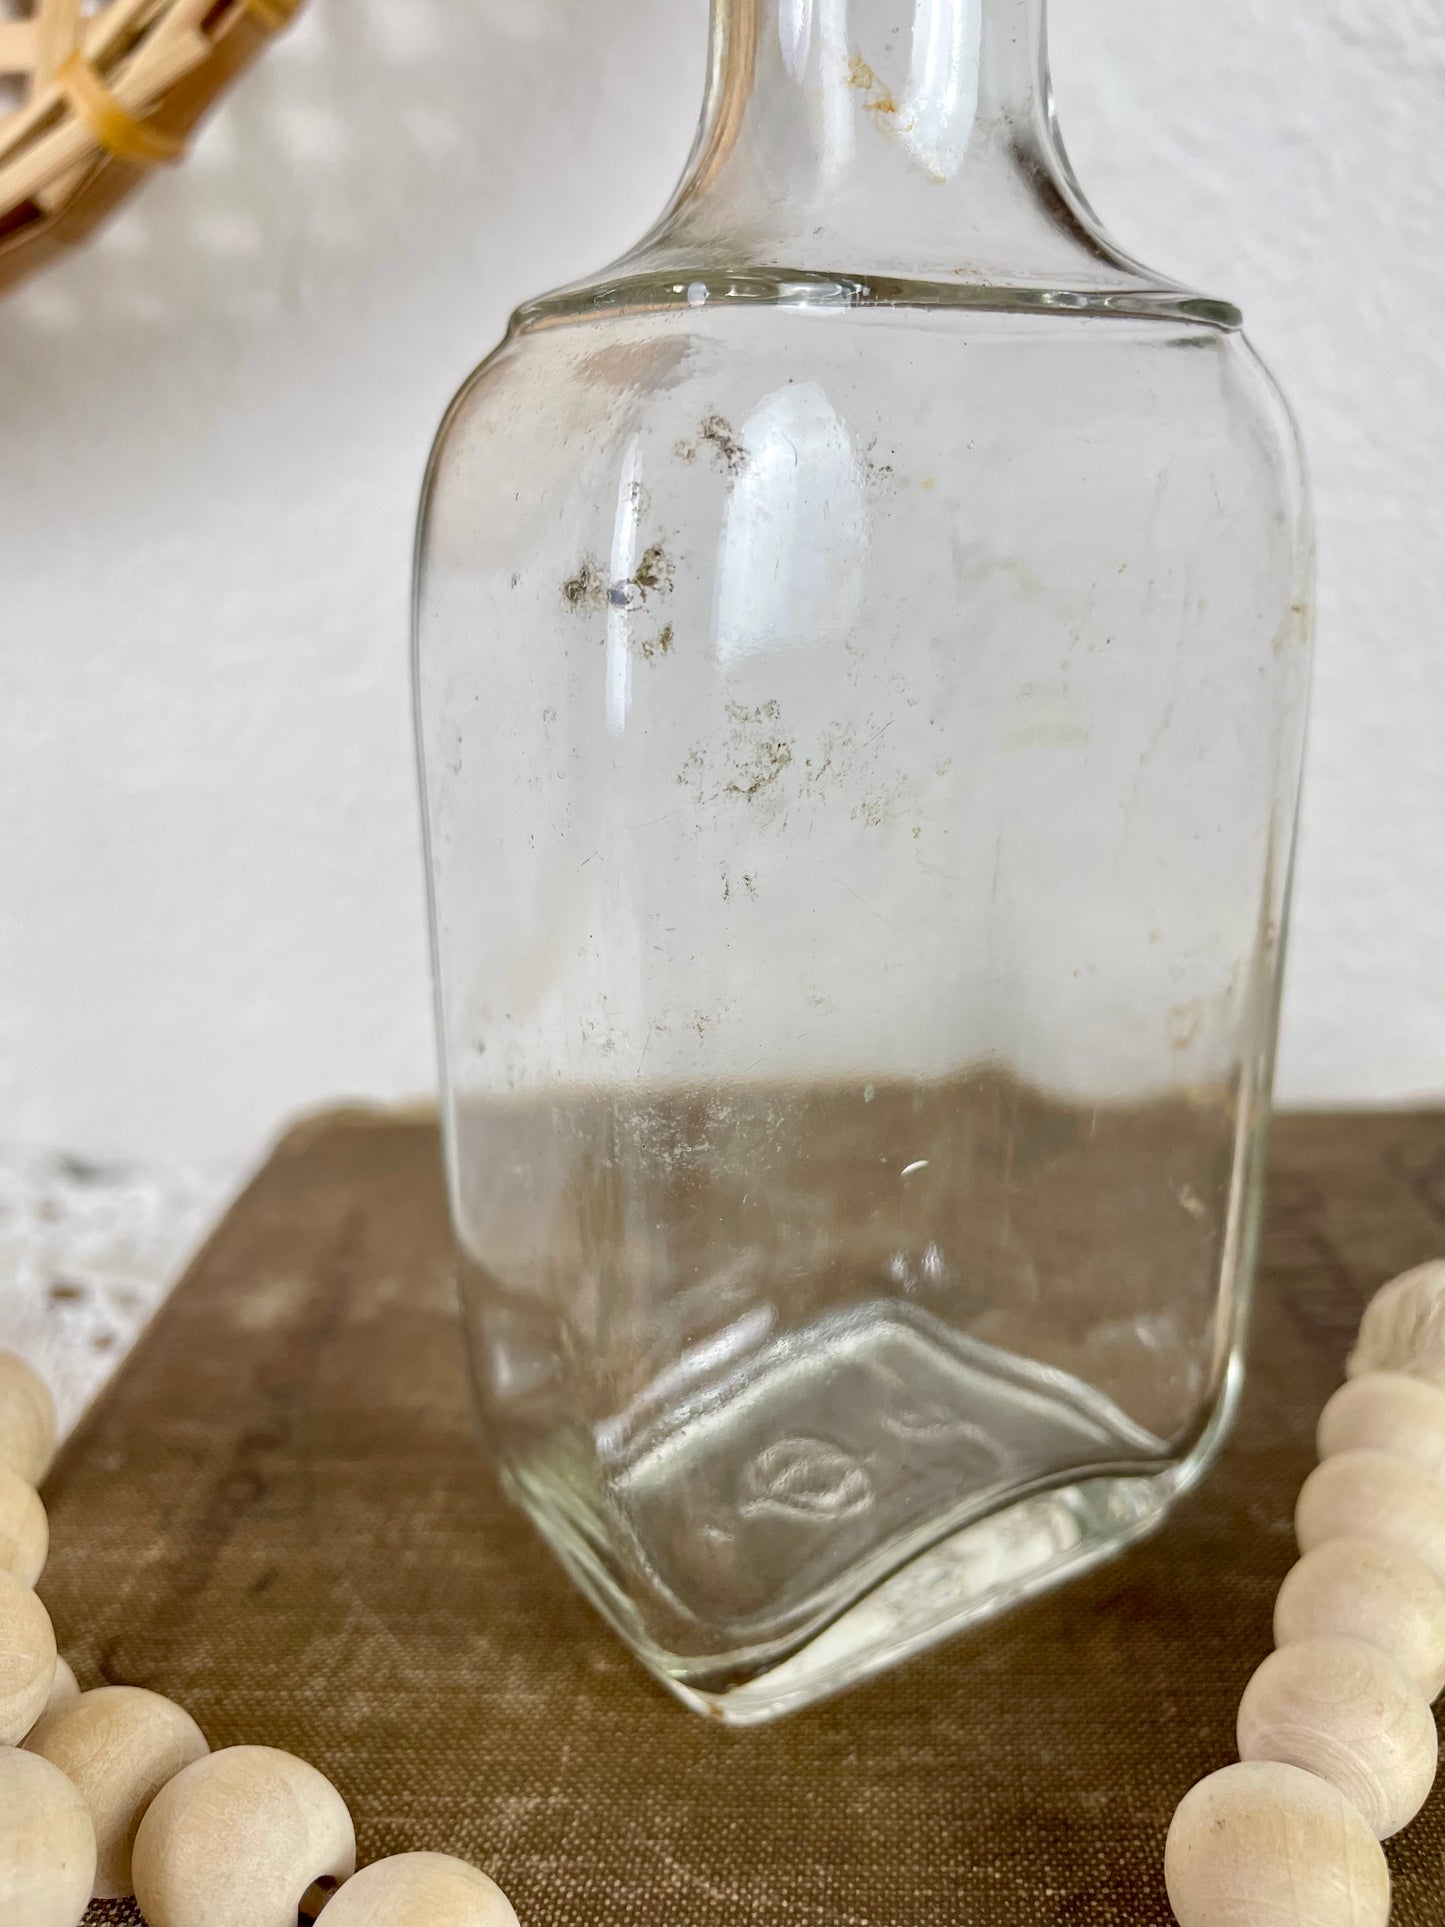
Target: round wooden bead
x=420, y=1890
x=27, y=1419
x=47, y=1845
x=24, y=1529
x=237, y=1839
x=1373, y=1495
x=1365, y=1589
x=1347, y=1712
x=1266, y=1845
x=1403, y=1329
x=118, y=1747
x=1387, y=1412
x=27, y=1659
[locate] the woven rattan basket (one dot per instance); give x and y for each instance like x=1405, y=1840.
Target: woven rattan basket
x=94, y=93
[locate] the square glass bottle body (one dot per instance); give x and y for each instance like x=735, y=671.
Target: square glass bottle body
x=861, y=744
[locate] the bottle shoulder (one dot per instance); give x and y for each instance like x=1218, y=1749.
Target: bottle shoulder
x=598, y=345
x=650, y=286
x=1023, y=238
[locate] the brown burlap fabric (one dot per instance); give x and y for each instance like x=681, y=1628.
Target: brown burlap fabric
x=278, y=1515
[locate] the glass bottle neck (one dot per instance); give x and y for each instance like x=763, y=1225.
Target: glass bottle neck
x=822, y=90
x=907, y=138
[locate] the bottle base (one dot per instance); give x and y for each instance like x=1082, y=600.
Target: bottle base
x=971, y=1576
x=968, y=1578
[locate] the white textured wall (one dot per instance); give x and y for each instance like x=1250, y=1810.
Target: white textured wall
x=212, y=426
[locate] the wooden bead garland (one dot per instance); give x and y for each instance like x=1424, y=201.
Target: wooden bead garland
x=27, y=1659
x=1364, y=1589
x=1335, y=1736
x=27, y=1419
x=115, y=1790
x=420, y=1890
x=24, y=1529
x=237, y=1840
x=1387, y=1412
x=1267, y=1845
x=1349, y=1713
x=118, y=1747
x=47, y=1845
x=1373, y=1495
x=1403, y=1329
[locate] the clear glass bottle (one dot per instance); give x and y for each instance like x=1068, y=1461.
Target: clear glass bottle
x=862, y=645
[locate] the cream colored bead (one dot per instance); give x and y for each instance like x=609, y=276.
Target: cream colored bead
x=27, y=1419
x=1387, y=1412
x=47, y=1845
x=1403, y=1329
x=24, y=1529
x=118, y=1747
x=1265, y=1845
x=236, y=1840
x=1364, y=1589
x=64, y=1688
x=27, y=1659
x=420, y=1890
x=1347, y=1712
x=1373, y=1495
